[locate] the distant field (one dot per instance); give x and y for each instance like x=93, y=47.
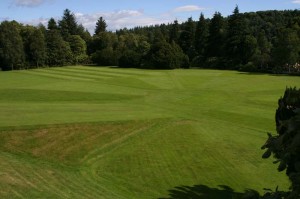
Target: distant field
x=99, y=132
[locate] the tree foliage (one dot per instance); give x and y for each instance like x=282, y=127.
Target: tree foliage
x=58, y=51
x=100, y=26
x=12, y=54
x=285, y=146
x=286, y=49
x=215, y=47
x=78, y=47
x=68, y=24
x=163, y=55
x=201, y=36
x=174, y=32
x=37, y=48
x=264, y=41
x=52, y=25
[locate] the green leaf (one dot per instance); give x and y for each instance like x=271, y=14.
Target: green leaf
x=267, y=154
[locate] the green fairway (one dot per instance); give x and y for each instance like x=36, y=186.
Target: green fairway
x=99, y=132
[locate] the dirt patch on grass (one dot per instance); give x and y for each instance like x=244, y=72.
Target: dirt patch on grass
x=68, y=144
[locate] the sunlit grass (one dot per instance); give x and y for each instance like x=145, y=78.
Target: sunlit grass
x=88, y=132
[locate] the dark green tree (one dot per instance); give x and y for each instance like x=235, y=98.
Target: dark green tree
x=58, y=51
x=84, y=33
x=164, y=55
x=174, y=32
x=100, y=26
x=103, y=40
x=158, y=36
x=201, y=35
x=26, y=32
x=68, y=24
x=286, y=50
x=187, y=38
x=78, y=47
x=11, y=46
x=214, y=53
x=285, y=146
x=249, y=49
x=216, y=36
x=263, y=57
x=37, y=48
x=131, y=48
x=236, y=38
x=130, y=59
x=105, y=57
x=52, y=25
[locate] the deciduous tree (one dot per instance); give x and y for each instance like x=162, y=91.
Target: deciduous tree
x=11, y=46
x=37, y=48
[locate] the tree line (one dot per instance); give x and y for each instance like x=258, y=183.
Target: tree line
x=266, y=41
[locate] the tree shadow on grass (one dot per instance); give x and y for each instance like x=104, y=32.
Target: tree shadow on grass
x=204, y=192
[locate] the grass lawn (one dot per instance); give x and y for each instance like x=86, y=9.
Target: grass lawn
x=99, y=132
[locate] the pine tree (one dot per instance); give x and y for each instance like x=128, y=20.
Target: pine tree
x=216, y=36
x=187, y=38
x=100, y=26
x=52, y=25
x=68, y=25
x=174, y=32
x=235, y=38
x=84, y=33
x=201, y=36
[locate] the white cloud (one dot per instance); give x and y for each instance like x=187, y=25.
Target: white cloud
x=188, y=8
x=28, y=3
x=114, y=19
x=296, y=1
x=119, y=19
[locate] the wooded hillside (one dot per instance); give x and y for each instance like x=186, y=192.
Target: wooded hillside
x=265, y=41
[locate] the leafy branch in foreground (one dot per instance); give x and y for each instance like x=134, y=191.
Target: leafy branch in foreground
x=285, y=146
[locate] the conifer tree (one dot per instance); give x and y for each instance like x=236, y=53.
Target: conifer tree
x=174, y=32
x=52, y=25
x=68, y=25
x=100, y=26
x=216, y=36
x=201, y=35
x=235, y=38
x=187, y=38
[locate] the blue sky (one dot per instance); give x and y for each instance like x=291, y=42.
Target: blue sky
x=129, y=13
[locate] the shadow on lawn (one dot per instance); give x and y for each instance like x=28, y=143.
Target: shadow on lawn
x=269, y=73
x=205, y=192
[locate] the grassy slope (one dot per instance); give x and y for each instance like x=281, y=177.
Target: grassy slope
x=86, y=132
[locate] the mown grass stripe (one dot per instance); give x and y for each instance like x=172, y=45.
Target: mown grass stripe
x=77, y=134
